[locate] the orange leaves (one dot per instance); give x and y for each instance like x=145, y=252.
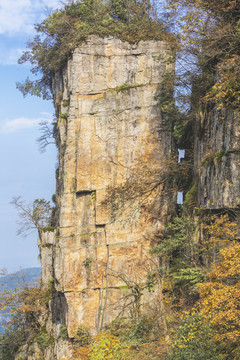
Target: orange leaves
x=27, y=299
x=221, y=231
x=26, y=305
x=106, y=346
x=220, y=296
x=80, y=353
x=227, y=88
x=229, y=264
x=221, y=302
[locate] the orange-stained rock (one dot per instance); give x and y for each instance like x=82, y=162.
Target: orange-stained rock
x=110, y=129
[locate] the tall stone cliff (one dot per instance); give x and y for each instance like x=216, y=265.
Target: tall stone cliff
x=110, y=128
x=114, y=149
x=217, y=158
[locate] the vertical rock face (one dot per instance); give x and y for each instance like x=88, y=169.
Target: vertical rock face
x=217, y=159
x=110, y=129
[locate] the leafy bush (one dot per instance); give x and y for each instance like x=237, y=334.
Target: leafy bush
x=106, y=347
x=188, y=278
x=43, y=339
x=193, y=340
x=191, y=197
x=141, y=329
x=82, y=336
x=177, y=244
x=118, y=327
x=219, y=296
x=134, y=332
x=10, y=342
x=63, y=333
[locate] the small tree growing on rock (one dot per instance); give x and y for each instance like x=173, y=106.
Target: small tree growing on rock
x=32, y=216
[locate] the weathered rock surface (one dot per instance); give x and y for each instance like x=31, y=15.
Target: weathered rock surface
x=110, y=128
x=217, y=159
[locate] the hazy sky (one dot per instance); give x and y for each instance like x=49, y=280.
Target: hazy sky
x=24, y=171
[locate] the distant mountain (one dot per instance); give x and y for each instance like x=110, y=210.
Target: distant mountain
x=29, y=276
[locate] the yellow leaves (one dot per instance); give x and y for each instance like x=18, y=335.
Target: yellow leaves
x=192, y=336
x=106, y=347
x=222, y=303
x=25, y=304
x=227, y=88
x=221, y=231
x=220, y=296
x=229, y=266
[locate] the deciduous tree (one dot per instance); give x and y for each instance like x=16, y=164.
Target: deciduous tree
x=32, y=216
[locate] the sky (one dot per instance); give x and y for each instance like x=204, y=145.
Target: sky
x=24, y=170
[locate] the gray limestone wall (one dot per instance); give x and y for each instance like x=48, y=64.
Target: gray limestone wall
x=217, y=158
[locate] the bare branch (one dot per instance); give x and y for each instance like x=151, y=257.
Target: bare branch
x=47, y=135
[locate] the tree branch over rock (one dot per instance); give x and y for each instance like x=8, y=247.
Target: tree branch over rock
x=33, y=216
x=48, y=135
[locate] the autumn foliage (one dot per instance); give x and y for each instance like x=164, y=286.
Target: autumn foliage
x=220, y=295
x=26, y=306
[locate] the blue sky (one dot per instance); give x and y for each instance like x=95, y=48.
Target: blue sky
x=24, y=170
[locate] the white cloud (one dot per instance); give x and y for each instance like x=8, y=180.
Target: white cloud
x=19, y=16
x=10, y=56
x=14, y=125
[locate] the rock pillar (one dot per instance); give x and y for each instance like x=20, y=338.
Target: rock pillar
x=110, y=130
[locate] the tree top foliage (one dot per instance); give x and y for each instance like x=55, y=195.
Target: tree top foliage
x=65, y=29
x=224, y=9
x=32, y=216
x=209, y=39
x=220, y=8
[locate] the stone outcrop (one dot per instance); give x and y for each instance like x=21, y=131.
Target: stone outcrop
x=111, y=132
x=114, y=146
x=217, y=158
x=109, y=126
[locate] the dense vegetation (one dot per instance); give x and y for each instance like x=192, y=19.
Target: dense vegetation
x=212, y=29
x=60, y=33
x=199, y=275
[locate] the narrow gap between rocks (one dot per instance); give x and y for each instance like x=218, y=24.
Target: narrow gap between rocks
x=181, y=155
